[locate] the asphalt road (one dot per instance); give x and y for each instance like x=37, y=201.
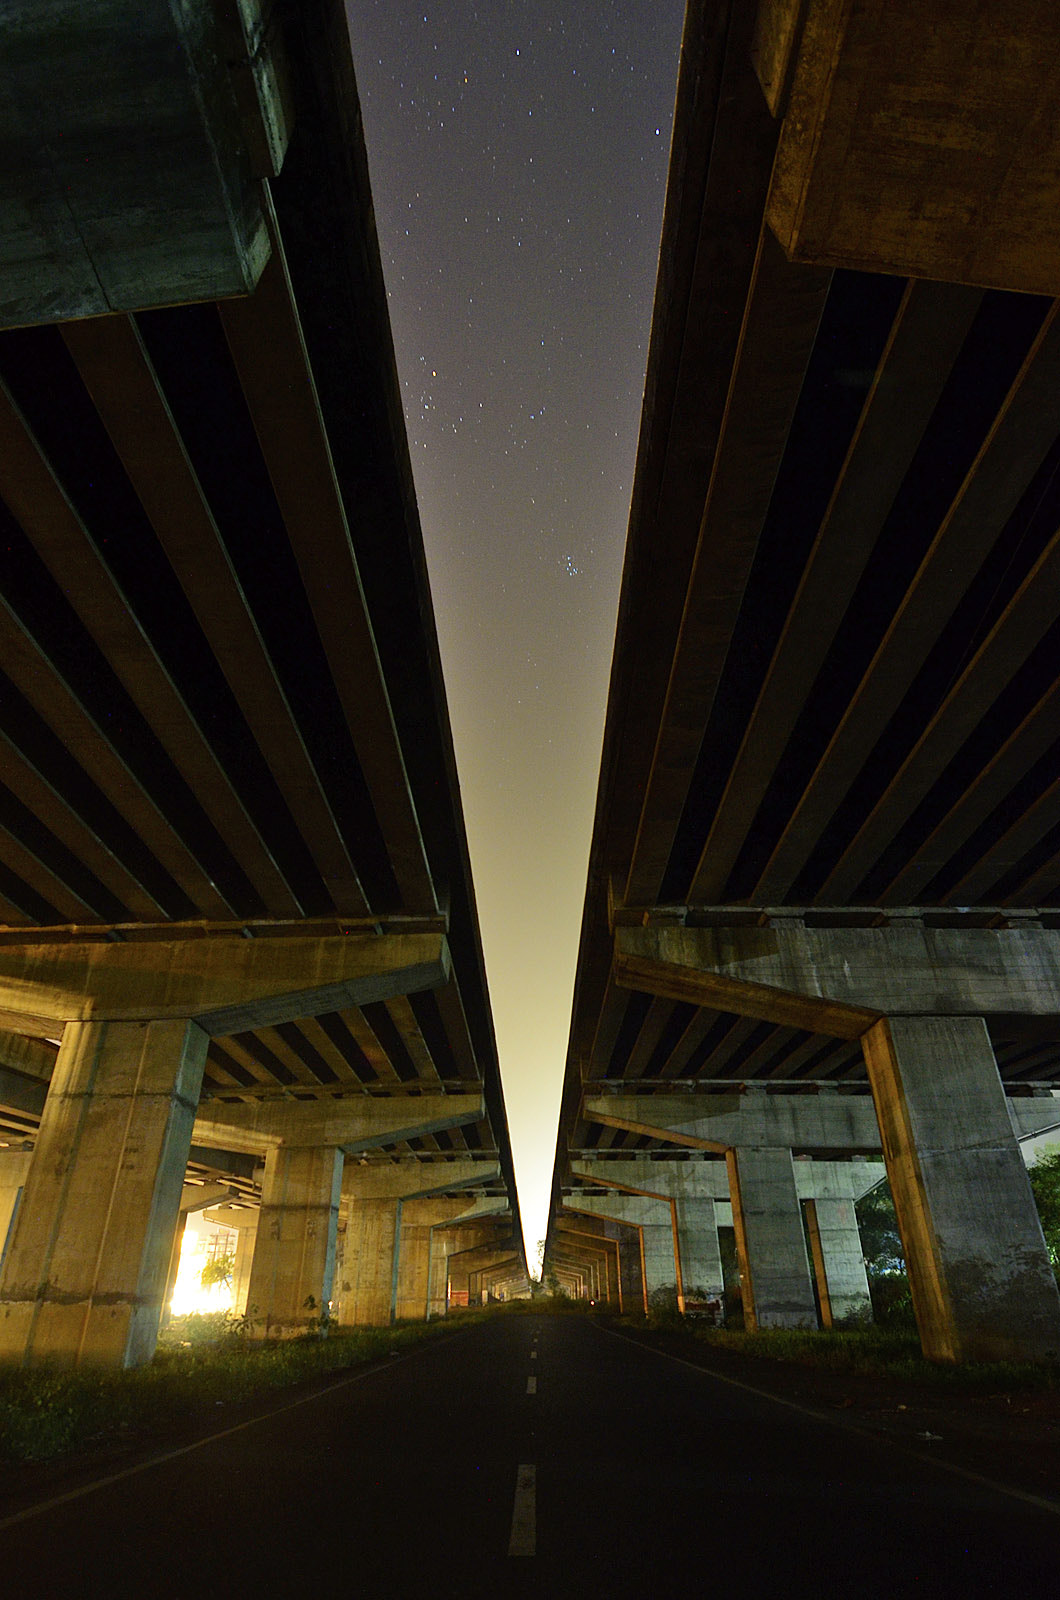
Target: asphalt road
x=604, y=1468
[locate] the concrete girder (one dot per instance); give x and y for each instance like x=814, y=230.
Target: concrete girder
x=840, y=981
x=353, y=1124
x=411, y=1178
x=916, y=141
x=709, y=1180
x=838, y=1122
x=226, y=984
x=136, y=132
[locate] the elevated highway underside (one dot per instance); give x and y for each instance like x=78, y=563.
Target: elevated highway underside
x=234, y=882
x=832, y=716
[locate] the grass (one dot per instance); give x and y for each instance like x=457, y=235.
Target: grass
x=199, y=1367
x=871, y=1352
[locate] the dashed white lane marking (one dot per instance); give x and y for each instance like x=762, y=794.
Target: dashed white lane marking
x=523, y=1541
x=533, y=1355
x=531, y=1385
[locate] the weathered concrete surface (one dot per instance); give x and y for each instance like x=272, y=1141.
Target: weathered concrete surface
x=225, y=983
x=838, y=1262
x=354, y=1123
x=840, y=1122
x=85, y=1275
x=700, y=1192
x=718, y=1122
x=397, y=1206
x=294, y=1253
x=842, y=980
x=128, y=172
x=420, y=1257
x=709, y=1179
x=982, y=1285
x=365, y=1288
x=918, y=140
x=770, y=1243
x=404, y=1179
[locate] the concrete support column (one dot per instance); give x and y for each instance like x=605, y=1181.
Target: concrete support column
x=770, y=1242
x=697, y=1243
x=246, y=1241
x=294, y=1256
x=982, y=1285
x=85, y=1273
x=414, y=1258
x=14, y=1169
x=838, y=1263
x=368, y=1266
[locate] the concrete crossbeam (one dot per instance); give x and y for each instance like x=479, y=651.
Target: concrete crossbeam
x=226, y=984
x=406, y=1179
x=918, y=140
x=85, y=1275
x=352, y=1124
x=703, y=1180
x=133, y=137
x=916, y=997
x=796, y=1122
x=388, y=1242
x=842, y=980
x=719, y=1122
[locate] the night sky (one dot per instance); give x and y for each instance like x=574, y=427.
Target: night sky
x=518, y=158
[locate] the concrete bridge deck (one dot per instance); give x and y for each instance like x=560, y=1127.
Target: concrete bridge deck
x=228, y=775
x=831, y=725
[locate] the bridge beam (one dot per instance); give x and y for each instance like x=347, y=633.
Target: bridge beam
x=982, y=1285
x=223, y=982
x=354, y=1123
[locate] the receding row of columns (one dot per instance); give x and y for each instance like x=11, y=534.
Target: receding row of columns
x=90, y=1249
x=782, y=1207
x=917, y=998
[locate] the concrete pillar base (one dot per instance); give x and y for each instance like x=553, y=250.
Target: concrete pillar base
x=774, y=1267
x=982, y=1285
x=838, y=1264
x=85, y=1274
x=294, y=1256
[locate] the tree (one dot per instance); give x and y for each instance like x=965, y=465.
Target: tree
x=1045, y=1181
x=881, y=1243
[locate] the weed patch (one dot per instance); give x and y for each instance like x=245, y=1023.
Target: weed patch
x=199, y=1365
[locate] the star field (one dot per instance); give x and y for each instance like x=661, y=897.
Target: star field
x=518, y=158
